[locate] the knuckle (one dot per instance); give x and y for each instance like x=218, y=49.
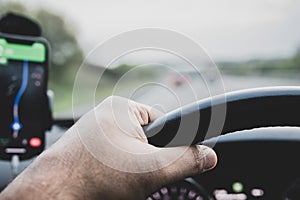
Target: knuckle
x=198, y=158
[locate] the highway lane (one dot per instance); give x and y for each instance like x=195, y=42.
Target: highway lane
x=167, y=97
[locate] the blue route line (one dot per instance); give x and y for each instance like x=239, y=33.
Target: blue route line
x=16, y=125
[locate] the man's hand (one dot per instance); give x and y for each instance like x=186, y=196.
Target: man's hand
x=105, y=155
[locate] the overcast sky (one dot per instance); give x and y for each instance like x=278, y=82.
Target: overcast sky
x=230, y=29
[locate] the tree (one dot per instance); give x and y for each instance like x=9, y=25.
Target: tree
x=296, y=59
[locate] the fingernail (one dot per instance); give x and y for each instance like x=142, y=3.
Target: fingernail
x=210, y=159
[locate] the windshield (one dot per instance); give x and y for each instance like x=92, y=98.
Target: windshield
x=189, y=50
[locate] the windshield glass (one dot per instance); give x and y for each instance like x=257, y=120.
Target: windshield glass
x=103, y=48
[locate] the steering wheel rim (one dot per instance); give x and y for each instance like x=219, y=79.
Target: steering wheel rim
x=245, y=109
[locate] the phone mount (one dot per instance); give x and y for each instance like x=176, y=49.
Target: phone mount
x=26, y=112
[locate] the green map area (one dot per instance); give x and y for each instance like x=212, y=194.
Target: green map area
x=11, y=51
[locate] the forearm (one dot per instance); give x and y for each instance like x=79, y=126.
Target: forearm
x=52, y=175
x=47, y=177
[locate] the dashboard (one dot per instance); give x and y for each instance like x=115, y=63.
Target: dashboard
x=252, y=164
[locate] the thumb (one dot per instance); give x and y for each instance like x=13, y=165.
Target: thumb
x=184, y=162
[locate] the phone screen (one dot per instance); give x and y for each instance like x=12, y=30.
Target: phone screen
x=24, y=106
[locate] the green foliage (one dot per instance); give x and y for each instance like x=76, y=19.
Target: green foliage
x=296, y=60
x=124, y=69
x=277, y=67
x=12, y=7
x=66, y=56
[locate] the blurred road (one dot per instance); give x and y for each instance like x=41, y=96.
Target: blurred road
x=166, y=96
x=172, y=96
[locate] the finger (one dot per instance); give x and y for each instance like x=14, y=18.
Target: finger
x=144, y=115
x=141, y=135
x=147, y=113
x=152, y=113
x=138, y=116
x=193, y=160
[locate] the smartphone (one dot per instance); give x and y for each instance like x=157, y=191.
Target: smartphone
x=25, y=113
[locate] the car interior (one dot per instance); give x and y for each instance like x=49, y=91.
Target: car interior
x=242, y=100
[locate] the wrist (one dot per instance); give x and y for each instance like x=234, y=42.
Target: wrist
x=53, y=175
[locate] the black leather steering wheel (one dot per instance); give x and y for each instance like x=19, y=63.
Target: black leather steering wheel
x=245, y=109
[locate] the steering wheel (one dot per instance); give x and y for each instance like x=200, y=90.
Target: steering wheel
x=256, y=144
x=245, y=109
